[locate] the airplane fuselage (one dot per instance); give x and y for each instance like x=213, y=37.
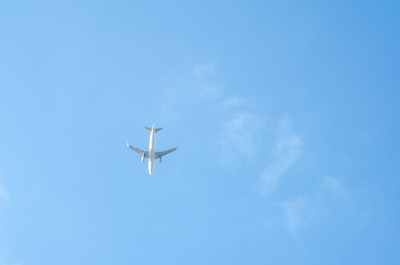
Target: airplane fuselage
x=152, y=150
x=151, y=155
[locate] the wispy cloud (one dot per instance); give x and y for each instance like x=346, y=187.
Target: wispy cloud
x=3, y=191
x=197, y=89
x=286, y=151
x=7, y=263
x=238, y=124
x=205, y=88
x=237, y=135
x=3, y=195
x=335, y=186
x=233, y=102
x=204, y=69
x=206, y=92
x=296, y=212
x=184, y=91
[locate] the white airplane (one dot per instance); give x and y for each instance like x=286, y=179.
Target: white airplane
x=151, y=155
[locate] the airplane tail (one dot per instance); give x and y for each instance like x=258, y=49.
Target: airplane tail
x=155, y=130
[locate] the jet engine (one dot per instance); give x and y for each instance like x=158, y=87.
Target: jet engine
x=159, y=160
x=143, y=158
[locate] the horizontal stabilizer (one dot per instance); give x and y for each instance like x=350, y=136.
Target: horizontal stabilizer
x=155, y=130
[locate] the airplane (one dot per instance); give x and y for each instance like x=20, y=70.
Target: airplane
x=151, y=155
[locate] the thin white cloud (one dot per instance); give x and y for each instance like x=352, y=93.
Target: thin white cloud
x=295, y=212
x=335, y=186
x=233, y=102
x=238, y=136
x=197, y=88
x=189, y=90
x=205, y=88
x=239, y=125
x=286, y=151
x=204, y=69
x=3, y=192
x=3, y=195
x=206, y=92
x=6, y=263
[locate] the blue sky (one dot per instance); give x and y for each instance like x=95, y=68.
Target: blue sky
x=285, y=115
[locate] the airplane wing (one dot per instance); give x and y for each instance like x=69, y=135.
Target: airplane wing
x=163, y=153
x=137, y=150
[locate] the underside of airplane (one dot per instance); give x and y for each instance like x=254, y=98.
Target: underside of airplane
x=151, y=155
